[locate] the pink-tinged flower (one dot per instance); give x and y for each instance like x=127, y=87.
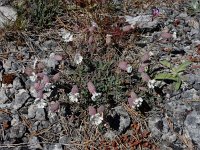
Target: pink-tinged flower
x=45, y=79
x=134, y=101
x=108, y=39
x=145, y=57
x=123, y=65
x=91, y=39
x=92, y=90
x=166, y=35
x=54, y=106
x=58, y=57
x=40, y=65
x=92, y=110
x=100, y=109
x=55, y=57
x=92, y=29
x=142, y=67
x=74, y=95
x=96, y=116
x=28, y=71
x=134, y=95
x=40, y=94
x=145, y=77
x=155, y=12
x=56, y=77
x=38, y=86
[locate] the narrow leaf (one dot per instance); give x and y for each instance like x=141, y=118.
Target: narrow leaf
x=178, y=84
x=166, y=63
x=182, y=67
x=165, y=76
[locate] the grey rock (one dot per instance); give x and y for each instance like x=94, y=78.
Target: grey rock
x=16, y=120
x=4, y=117
x=155, y=126
x=32, y=111
x=4, y=2
x=7, y=15
x=64, y=139
x=17, y=131
x=57, y=128
x=183, y=15
x=17, y=83
x=189, y=94
x=56, y=146
x=192, y=78
x=197, y=86
x=142, y=21
x=119, y=119
x=20, y=98
x=50, y=44
x=34, y=143
x=192, y=125
x=169, y=137
x=110, y=135
x=43, y=125
x=178, y=111
x=3, y=96
x=40, y=114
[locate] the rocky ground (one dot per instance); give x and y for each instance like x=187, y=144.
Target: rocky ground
x=100, y=74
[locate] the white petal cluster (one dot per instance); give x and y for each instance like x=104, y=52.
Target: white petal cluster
x=66, y=35
x=73, y=97
x=137, y=102
x=95, y=95
x=33, y=77
x=129, y=69
x=96, y=119
x=151, y=84
x=78, y=58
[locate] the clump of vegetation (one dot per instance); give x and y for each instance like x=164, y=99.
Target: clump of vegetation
x=173, y=74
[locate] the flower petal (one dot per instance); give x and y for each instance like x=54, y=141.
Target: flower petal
x=74, y=89
x=91, y=87
x=123, y=65
x=92, y=110
x=100, y=109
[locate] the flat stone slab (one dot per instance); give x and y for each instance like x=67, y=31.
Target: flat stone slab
x=7, y=15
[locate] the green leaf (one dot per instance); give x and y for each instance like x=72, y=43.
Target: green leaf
x=166, y=76
x=166, y=63
x=178, y=84
x=181, y=67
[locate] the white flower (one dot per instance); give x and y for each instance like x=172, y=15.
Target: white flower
x=73, y=97
x=174, y=35
x=94, y=95
x=67, y=36
x=33, y=77
x=96, y=119
x=41, y=103
x=48, y=87
x=78, y=58
x=135, y=102
x=151, y=53
x=138, y=102
x=129, y=68
x=151, y=84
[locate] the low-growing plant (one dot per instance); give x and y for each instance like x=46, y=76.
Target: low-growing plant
x=173, y=74
x=194, y=7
